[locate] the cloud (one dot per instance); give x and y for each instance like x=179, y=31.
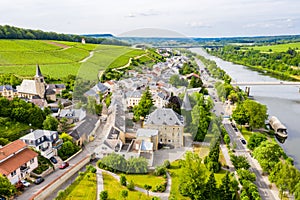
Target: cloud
x=273, y=23
x=198, y=25
x=146, y=13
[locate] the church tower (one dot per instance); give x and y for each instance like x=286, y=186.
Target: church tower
x=40, y=82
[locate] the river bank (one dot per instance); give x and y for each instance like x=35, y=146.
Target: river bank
x=282, y=101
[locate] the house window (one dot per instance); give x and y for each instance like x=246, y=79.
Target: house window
x=13, y=173
x=32, y=161
x=54, y=136
x=169, y=140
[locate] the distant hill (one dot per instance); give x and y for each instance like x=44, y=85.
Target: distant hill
x=107, y=35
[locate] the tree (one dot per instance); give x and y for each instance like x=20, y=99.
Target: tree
x=137, y=165
x=6, y=188
x=240, y=162
x=192, y=177
x=3, y=141
x=66, y=137
x=50, y=123
x=124, y=194
x=63, y=124
x=211, y=190
x=245, y=174
x=240, y=114
x=227, y=139
x=144, y=106
x=113, y=162
x=123, y=180
x=255, y=140
x=227, y=188
x=212, y=160
x=104, y=195
x=257, y=113
x=67, y=150
x=297, y=191
x=195, y=82
x=268, y=154
x=176, y=81
x=147, y=187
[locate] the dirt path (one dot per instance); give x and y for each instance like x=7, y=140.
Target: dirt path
x=57, y=44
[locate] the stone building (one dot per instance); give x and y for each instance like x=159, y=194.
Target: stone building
x=169, y=125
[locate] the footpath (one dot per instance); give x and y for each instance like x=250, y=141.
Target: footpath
x=163, y=195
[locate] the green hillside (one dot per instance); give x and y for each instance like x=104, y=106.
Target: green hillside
x=277, y=47
x=58, y=59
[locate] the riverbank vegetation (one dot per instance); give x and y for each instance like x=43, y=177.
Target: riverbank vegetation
x=282, y=64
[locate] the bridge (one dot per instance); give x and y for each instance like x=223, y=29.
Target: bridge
x=265, y=83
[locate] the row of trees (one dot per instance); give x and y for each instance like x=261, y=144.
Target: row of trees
x=279, y=63
x=11, y=32
x=117, y=163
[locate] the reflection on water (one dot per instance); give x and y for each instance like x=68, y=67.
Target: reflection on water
x=283, y=101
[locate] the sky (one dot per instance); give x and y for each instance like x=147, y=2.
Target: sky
x=187, y=18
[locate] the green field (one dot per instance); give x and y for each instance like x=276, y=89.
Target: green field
x=277, y=48
x=58, y=59
x=140, y=179
x=114, y=189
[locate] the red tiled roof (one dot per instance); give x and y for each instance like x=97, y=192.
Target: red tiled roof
x=17, y=161
x=11, y=148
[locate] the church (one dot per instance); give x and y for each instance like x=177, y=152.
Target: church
x=38, y=89
x=30, y=89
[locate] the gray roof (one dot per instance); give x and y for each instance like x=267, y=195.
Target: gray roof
x=144, y=132
x=186, y=104
x=133, y=94
x=28, y=87
x=7, y=87
x=164, y=116
x=86, y=127
x=73, y=113
x=99, y=87
x=38, y=72
x=38, y=134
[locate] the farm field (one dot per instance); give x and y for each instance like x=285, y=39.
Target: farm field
x=57, y=59
x=277, y=48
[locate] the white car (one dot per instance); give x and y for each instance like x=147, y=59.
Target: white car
x=25, y=183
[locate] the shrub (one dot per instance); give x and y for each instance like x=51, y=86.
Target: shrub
x=160, y=188
x=167, y=164
x=103, y=195
x=160, y=170
x=130, y=185
x=123, y=180
x=91, y=169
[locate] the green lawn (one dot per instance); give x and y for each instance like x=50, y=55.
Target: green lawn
x=114, y=189
x=85, y=189
x=141, y=179
x=124, y=58
x=175, y=174
x=277, y=48
x=246, y=133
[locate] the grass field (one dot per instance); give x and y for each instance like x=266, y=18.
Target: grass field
x=58, y=59
x=114, y=189
x=277, y=48
x=140, y=180
x=86, y=189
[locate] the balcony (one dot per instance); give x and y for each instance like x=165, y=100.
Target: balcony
x=24, y=169
x=57, y=144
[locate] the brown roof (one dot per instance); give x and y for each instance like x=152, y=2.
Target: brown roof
x=11, y=148
x=17, y=161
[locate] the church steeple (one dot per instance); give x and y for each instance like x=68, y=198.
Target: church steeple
x=38, y=72
x=186, y=105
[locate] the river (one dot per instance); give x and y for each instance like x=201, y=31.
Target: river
x=282, y=101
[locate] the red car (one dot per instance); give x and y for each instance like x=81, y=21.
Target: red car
x=64, y=165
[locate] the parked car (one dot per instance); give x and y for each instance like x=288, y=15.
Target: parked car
x=64, y=165
x=25, y=183
x=53, y=160
x=38, y=180
x=243, y=141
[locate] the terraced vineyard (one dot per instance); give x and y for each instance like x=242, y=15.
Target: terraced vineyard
x=58, y=59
